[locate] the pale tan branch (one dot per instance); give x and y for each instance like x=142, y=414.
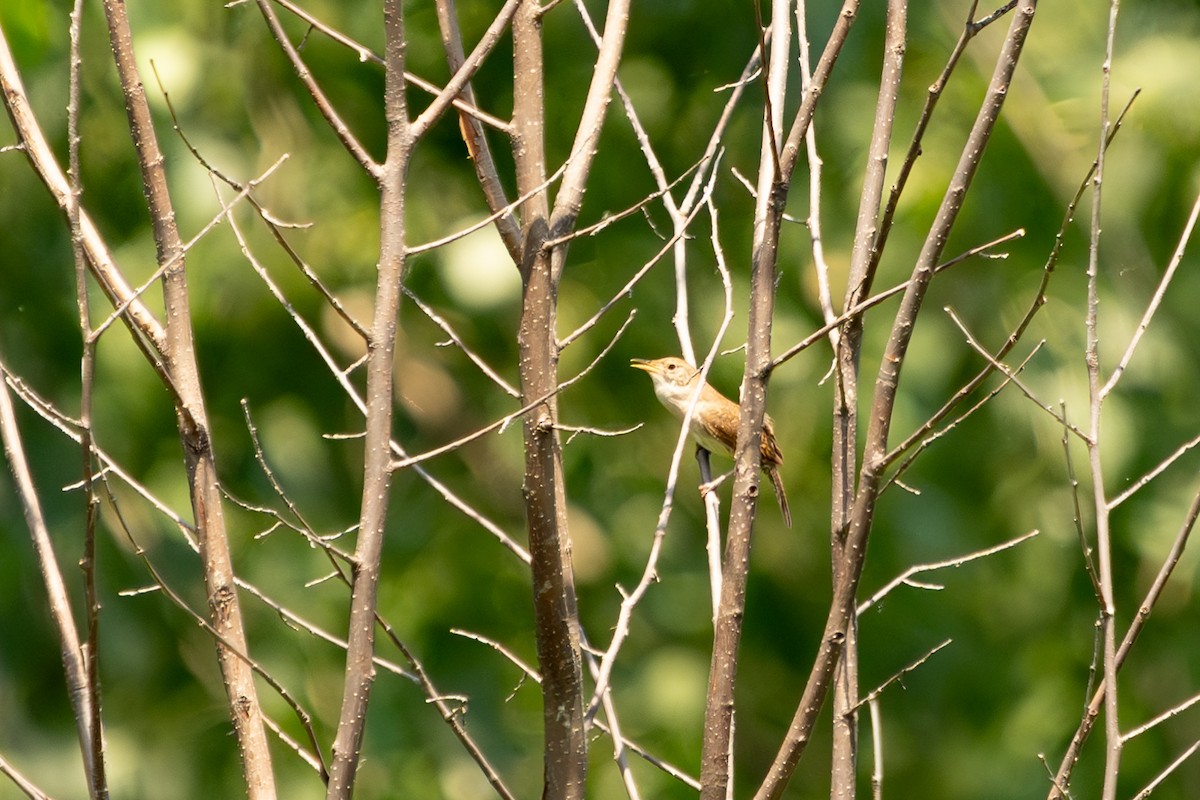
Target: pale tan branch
x=905, y=578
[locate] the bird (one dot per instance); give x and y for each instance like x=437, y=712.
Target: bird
x=714, y=423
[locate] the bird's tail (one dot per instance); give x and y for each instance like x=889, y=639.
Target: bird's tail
x=780, y=495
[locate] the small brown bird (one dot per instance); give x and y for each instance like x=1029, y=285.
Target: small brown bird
x=714, y=423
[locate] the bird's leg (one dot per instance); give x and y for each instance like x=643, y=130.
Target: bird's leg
x=707, y=481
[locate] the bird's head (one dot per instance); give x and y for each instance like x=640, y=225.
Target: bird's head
x=674, y=378
x=670, y=370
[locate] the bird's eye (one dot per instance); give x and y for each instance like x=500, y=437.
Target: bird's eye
x=670, y=367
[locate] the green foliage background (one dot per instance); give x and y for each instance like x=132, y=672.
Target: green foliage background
x=971, y=722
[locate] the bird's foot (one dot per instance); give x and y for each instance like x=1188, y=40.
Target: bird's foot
x=705, y=488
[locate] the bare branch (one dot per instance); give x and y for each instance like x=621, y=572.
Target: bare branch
x=1096, y=392
x=319, y=98
x=507, y=420
x=971, y=27
x=1085, y=547
x=474, y=136
x=93, y=751
x=919, y=446
x=875, y=693
x=1062, y=778
x=366, y=54
x=21, y=782
x=1158, y=469
x=340, y=375
x=475, y=358
x=495, y=216
x=1155, y=301
x=450, y=715
x=161, y=585
x=905, y=578
x=532, y=673
x=464, y=71
x=147, y=331
x=78, y=676
x=381, y=350
x=1170, y=713
x=200, y=462
x=627, y=289
x=874, y=300
x=1011, y=375
x=843, y=605
x=1188, y=752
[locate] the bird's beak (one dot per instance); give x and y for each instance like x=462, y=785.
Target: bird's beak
x=644, y=365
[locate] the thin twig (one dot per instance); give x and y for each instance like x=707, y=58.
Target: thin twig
x=1096, y=392
x=1087, y=721
x=508, y=419
x=90, y=704
x=1170, y=713
x=498, y=214
x=875, y=693
x=1159, y=292
x=875, y=299
x=637, y=276
x=532, y=673
x=609, y=219
x=24, y=784
x=1085, y=548
x=1158, y=469
x=341, y=376
x=74, y=663
x=1036, y=303
x=1011, y=375
x=914, y=450
x=161, y=585
x=339, y=127
x=450, y=714
x=1188, y=752
x=364, y=53
x=905, y=578
x=474, y=357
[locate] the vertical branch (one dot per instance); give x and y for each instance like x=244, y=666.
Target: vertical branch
x=772, y=187
x=556, y=618
x=815, y=180
x=74, y=662
x=876, y=749
x=1062, y=777
x=93, y=750
x=1107, y=632
x=841, y=612
x=381, y=350
x=845, y=393
x=193, y=425
x=772, y=196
